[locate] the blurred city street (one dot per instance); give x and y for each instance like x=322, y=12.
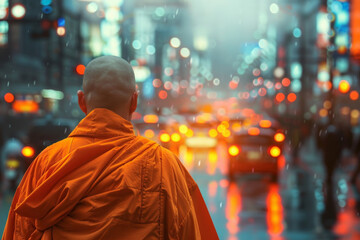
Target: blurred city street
x=253, y=207
x=259, y=100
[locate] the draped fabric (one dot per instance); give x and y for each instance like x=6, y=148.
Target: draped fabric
x=103, y=182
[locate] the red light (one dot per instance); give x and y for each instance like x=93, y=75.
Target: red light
x=80, y=69
x=163, y=94
x=46, y=24
x=354, y=95
x=291, y=97
x=9, y=97
x=280, y=97
x=286, y=82
x=233, y=84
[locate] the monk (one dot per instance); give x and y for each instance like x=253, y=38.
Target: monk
x=102, y=181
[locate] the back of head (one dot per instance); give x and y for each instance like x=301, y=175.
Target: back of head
x=109, y=82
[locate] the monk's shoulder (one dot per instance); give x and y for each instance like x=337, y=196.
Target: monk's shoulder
x=174, y=169
x=53, y=153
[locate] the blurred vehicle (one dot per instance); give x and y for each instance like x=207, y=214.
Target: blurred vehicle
x=255, y=150
x=12, y=164
x=44, y=132
x=161, y=129
x=202, y=133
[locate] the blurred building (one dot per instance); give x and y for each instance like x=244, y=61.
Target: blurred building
x=41, y=44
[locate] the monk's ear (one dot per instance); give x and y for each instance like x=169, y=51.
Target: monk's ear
x=81, y=101
x=133, y=104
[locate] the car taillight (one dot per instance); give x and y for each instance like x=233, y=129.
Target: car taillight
x=164, y=137
x=234, y=150
x=253, y=131
x=274, y=151
x=265, y=123
x=28, y=151
x=279, y=137
x=175, y=137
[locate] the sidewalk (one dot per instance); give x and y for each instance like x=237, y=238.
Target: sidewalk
x=308, y=175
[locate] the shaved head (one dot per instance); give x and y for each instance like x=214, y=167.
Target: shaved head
x=109, y=82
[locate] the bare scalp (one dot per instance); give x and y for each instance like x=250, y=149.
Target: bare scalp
x=108, y=82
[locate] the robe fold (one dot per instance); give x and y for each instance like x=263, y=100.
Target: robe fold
x=103, y=182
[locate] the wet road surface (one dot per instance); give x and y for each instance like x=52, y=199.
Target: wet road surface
x=253, y=207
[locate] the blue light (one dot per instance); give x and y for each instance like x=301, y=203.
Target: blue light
x=297, y=32
x=47, y=9
x=61, y=22
x=45, y=2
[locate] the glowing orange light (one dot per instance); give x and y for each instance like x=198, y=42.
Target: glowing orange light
x=151, y=118
x=190, y=133
x=344, y=86
x=265, y=123
x=163, y=94
x=61, y=31
x=9, y=97
x=355, y=29
x=213, y=133
x=212, y=162
x=275, y=151
x=175, y=137
x=274, y=214
x=234, y=150
x=226, y=133
x=221, y=128
x=354, y=95
x=233, y=208
x=164, y=137
x=323, y=112
x=28, y=106
x=279, y=137
x=291, y=97
x=253, y=131
x=183, y=129
x=28, y=151
x=80, y=69
x=280, y=97
x=149, y=133
x=286, y=82
x=225, y=123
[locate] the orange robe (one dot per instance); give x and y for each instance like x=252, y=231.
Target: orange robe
x=103, y=182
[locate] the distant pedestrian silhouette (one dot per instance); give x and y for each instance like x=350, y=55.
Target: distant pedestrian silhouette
x=331, y=144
